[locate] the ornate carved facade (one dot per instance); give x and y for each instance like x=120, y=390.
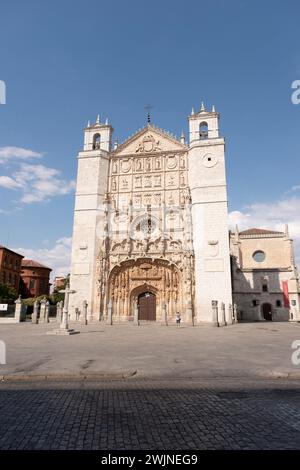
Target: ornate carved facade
x=149, y=242
x=150, y=227
x=151, y=238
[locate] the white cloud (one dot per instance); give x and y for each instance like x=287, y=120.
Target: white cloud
x=272, y=215
x=8, y=182
x=17, y=153
x=37, y=183
x=57, y=257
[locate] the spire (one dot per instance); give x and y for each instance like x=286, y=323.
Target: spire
x=193, y=112
x=88, y=124
x=202, y=106
x=116, y=144
x=286, y=231
x=98, y=119
x=213, y=110
x=182, y=137
x=106, y=121
x=236, y=233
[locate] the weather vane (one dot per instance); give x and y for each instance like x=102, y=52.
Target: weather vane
x=148, y=109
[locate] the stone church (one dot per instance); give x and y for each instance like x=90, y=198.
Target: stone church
x=150, y=235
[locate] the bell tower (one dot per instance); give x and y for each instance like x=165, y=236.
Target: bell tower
x=207, y=182
x=91, y=189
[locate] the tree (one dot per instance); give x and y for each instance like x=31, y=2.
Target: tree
x=7, y=292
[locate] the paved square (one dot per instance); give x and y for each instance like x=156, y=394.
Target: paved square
x=249, y=349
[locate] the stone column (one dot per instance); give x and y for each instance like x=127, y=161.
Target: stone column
x=136, y=314
x=35, y=313
x=84, y=312
x=230, y=315
x=47, y=307
x=109, y=313
x=235, y=313
x=59, y=307
x=18, y=310
x=164, y=315
x=215, y=319
x=43, y=311
x=189, y=314
x=223, y=314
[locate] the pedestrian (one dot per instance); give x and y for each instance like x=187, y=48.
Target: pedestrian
x=178, y=319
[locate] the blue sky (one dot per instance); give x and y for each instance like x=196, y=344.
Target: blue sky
x=64, y=62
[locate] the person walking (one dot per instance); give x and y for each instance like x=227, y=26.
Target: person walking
x=178, y=319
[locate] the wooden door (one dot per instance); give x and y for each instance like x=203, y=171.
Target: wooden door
x=147, y=306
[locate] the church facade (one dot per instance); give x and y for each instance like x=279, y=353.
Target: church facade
x=150, y=235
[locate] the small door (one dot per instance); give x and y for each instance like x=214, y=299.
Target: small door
x=147, y=306
x=267, y=311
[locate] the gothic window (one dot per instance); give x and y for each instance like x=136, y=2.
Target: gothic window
x=203, y=130
x=265, y=287
x=96, y=141
x=278, y=303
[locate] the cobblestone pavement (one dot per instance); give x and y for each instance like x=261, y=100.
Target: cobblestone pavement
x=150, y=415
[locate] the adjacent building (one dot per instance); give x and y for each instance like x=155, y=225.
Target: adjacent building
x=10, y=267
x=35, y=279
x=264, y=275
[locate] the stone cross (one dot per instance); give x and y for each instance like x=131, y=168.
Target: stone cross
x=64, y=325
x=214, y=306
x=84, y=311
x=35, y=313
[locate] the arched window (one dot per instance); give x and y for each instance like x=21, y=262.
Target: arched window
x=203, y=130
x=96, y=141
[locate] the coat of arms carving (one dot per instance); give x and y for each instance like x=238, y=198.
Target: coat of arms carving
x=148, y=144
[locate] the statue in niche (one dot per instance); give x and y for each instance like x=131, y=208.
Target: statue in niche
x=157, y=181
x=138, y=181
x=138, y=165
x=113, y=185
x=182, y=197
x=182, y=179
x=157, y=164
x=115, y=167
x=147, y=181
x=171, y=181
x=182, y=161
x=148, y=164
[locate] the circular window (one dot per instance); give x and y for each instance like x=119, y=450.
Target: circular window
x=209, y=160
x=259, y=256
x=143, y=227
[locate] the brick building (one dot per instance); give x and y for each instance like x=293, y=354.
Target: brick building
x=10, y=267
x=35, y=279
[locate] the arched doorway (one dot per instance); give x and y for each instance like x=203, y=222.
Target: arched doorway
x=147, y=306
x=267, y=311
